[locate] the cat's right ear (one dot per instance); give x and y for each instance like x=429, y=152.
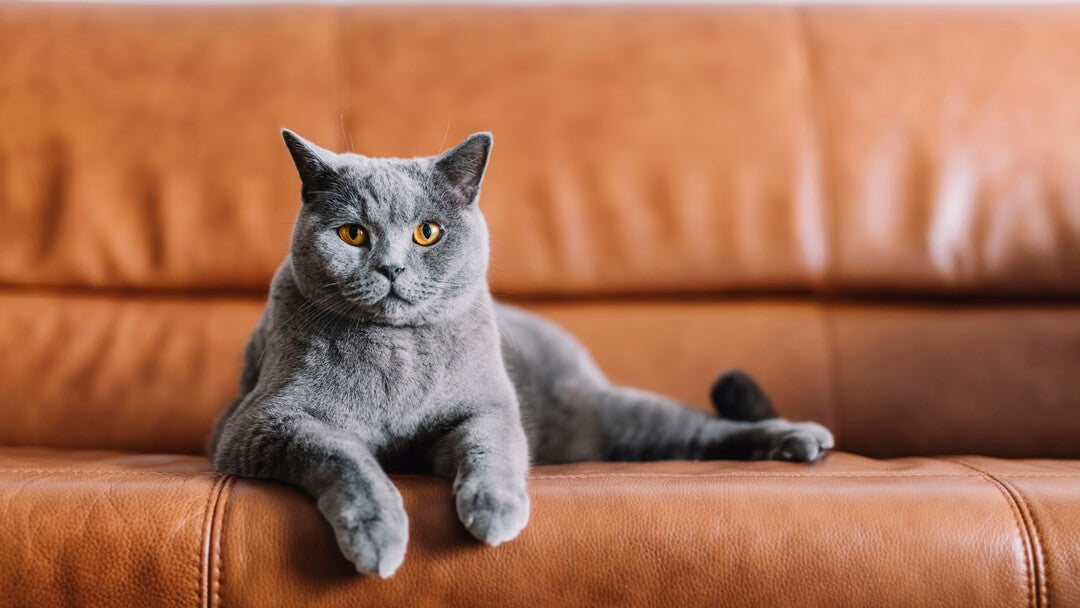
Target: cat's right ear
x=312, y=162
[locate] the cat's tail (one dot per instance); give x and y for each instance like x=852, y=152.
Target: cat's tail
x=736, y=396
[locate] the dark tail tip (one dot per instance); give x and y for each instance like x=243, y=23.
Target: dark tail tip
x=737, y=397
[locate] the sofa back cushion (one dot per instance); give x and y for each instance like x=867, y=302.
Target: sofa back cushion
x=876, y=210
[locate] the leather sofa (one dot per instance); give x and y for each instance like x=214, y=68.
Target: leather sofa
x=874, y=210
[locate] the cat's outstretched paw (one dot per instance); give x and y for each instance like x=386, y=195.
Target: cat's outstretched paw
x=799, y=442
x=494, y=512
x=372, y=536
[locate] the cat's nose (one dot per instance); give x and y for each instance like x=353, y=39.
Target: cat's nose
x=391, y=271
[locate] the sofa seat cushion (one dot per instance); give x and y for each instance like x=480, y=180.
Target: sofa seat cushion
x=116, y=529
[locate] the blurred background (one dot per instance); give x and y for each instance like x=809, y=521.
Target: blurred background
x=875, y=209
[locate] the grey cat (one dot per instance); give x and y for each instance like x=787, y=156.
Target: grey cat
x=381, y=348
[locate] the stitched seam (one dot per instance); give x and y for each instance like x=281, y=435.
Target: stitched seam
x=828, y=219
x=204, y=549
x=1030, y=566
x=198, y=552
x=583, y=475
x=1044, y=580
x=745, y=475
x=833, y=361
x=814, y=122
x=217, y=532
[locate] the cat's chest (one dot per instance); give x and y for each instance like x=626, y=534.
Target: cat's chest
x=387, y=371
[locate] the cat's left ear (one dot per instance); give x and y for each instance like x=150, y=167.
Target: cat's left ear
x=462, y=169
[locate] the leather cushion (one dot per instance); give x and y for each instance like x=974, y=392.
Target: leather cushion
x=151, y=373
x=936, y=532
x=701, y=149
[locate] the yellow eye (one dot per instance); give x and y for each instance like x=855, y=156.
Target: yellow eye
x=352, y=234
x=427, y=233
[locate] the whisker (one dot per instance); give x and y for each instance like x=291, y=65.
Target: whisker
x=445, y=133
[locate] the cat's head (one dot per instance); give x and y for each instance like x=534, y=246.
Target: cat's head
x=388, y=240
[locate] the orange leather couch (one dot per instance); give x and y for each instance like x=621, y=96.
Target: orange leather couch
x=875, y=210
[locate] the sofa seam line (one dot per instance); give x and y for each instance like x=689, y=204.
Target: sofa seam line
x=815, y=124
x=592, y=476
x=201, y=555
x=217, y=533
x=752, y=476
x=1044, y=580
x=107, y=472
x=833, y=358
x=1030, y=565
x=199, y=549
x=828, y=218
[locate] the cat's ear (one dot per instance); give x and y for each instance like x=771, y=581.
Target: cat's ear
x=312, y=162
x=462, y=169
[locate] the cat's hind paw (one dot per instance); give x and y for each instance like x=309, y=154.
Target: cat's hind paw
x=800, y=442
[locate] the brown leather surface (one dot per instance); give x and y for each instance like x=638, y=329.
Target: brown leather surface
x=639, y=149
x=1046, y=500
x=151, y=373
x=129, y=372
x=897, y=188
x=663, y=535
x=945, y=131
x=848, y=531
x=104, y=528
x=995, y=380
x=140, y=145
x=636, y=150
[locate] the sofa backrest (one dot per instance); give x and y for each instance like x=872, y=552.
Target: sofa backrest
x=876, y=210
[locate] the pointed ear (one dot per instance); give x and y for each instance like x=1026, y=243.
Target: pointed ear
x=462, y=169
x=312, y=162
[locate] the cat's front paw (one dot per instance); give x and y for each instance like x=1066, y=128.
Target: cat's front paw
x=799, y=442
x=494, y=512
x=372, y=536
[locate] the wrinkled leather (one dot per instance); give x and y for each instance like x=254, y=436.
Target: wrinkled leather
x=92, y=528
x=945, y=135
x=638, y=150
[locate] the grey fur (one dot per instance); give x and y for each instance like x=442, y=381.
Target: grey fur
x=350, y=373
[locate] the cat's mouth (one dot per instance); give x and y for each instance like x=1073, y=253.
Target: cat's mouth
x=392, y=296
